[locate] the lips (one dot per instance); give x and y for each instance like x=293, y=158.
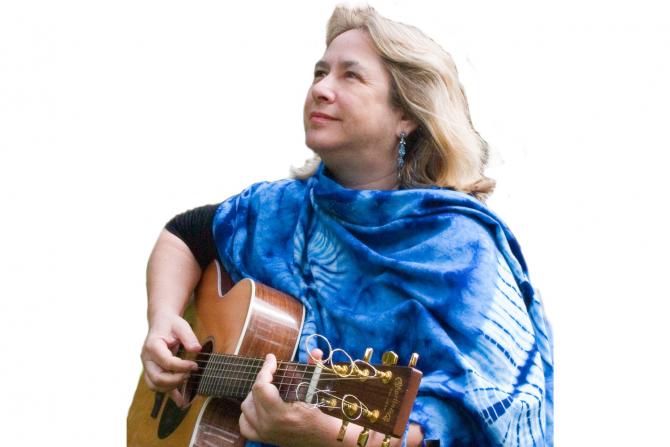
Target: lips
x=319, y=116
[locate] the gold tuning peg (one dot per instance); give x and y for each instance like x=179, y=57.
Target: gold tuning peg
x=413, y=359
x=389, y=358
x=368, y=355
x=387, y=441
x=363, y=437
x=343, y=431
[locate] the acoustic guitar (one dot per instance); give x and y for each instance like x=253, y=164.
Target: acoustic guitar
x=237, y=326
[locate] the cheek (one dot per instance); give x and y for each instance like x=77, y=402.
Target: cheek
x=307, y=102
x=305, y=110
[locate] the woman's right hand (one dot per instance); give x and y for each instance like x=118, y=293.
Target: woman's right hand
x=164, y=371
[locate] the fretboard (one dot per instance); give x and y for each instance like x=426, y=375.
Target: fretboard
x=232, y=376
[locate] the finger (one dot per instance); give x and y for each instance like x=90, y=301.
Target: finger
x=177, y=397
x=178, y=365
x=185, y=335
x=247, y=430
x=157, y=384
x=265, y=396
x=315, y=356
x=158, y=352
x=247, y=404
x=268, y=369
x=249, y=410
x=160, y=379
x=150, y=383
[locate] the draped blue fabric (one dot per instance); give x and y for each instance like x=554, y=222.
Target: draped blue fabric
x=431, y=271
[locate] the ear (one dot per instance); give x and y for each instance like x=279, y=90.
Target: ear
x=406, y=124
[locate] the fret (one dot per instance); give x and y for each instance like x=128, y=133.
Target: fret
x=249, y=372
x=227, y=375
x=281, y=384
x=203, y=386
x=303, y=383
x=240, y=370
x=219, y=371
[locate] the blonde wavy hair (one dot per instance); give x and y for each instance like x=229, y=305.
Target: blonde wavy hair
x=445, y=150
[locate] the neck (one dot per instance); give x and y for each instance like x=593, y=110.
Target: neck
x=362, y=176
x=232, y=377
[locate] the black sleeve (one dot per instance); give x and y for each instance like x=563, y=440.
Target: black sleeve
x=194, y=227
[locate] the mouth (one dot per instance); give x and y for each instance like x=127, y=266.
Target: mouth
x=321, y=117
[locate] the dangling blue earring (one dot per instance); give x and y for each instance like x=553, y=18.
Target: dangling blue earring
x=401, y=151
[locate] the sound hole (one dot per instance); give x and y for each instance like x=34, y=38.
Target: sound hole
x=192, y=383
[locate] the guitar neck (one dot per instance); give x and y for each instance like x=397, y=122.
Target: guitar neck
x=378, y=397
x=232, y=376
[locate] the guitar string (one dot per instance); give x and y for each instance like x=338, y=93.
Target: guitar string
x=211, y=381
x=234, y=357
x=295, y=394
x=231, y=359
x=240, y=387
x=242, y=357
x=237, y=385
x=334, y=377
x=281, y=374
x=287, y=368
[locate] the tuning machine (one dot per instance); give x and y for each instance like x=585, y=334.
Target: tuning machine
x=363, y=437
x=368, y=355
x=389, y=358
x=343, y=431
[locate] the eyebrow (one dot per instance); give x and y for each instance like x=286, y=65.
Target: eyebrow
x=344, y=64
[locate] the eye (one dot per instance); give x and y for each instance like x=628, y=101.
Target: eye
x=352, y=74
x=319, y=73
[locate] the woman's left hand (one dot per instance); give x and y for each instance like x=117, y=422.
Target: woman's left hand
x=267, y=418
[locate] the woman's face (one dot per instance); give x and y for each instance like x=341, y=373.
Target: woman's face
x=348, y=107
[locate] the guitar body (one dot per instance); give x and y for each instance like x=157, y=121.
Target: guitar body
x=249, y=320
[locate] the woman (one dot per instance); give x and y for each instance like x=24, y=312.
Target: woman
x=383, y=240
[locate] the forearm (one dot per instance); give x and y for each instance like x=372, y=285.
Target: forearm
x=172, y=273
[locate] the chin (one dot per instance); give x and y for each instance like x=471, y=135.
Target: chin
x=320, y=145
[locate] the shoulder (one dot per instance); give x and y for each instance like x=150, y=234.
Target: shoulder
x=467, y=243
x=267, y=193
x=472, y=221
x=469, y=230
x=459, y=218
x=262, y=202
x=275, y=187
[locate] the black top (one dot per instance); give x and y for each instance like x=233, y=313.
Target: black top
x=194, y=227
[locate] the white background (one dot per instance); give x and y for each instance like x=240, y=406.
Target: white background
x=114, y=116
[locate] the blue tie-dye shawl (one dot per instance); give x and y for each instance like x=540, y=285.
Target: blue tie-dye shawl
x=431, y=271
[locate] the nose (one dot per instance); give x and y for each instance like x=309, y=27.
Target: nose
x=322, y=90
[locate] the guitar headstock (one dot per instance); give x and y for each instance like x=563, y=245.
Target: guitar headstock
x=377, y=397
